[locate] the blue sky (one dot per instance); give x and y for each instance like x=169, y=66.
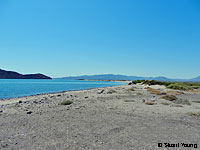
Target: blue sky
x=131, y=37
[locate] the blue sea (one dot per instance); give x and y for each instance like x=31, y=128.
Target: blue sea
x=10, y=88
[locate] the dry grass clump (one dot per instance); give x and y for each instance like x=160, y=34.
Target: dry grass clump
x=131, y=89
x=110, y=91
x=175, y=92
x=139, y=94
x=154, y=91
x=196, y=101
x=67, y=102
x=177, y=105
x=195, y=90
x=180, y=86
x=169, y=97
x=182, y=101
x=165, y=103
x=129, y=100
x=150, y=103
x=185, y=86
x=196, y=114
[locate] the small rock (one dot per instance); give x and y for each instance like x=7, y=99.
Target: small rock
x=130, y=83
x=20, y=102
x=100, y=92
x=143, y=100
x=1, y=111
x=29, y=112
x=86, y=97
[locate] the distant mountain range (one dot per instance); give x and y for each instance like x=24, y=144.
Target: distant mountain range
x=14, y=75
x=124, y=77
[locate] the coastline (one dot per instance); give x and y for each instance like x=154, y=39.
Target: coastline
x=6, y=101
x=60, y=92
x=116, y=117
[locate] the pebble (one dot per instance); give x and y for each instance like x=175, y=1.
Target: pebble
x=29, y=112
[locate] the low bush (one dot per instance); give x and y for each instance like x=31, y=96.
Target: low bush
x=179, y=86
x=67, y=102
x=154, y=91
x=150, y=103
x=130, y=89
x=169, y=97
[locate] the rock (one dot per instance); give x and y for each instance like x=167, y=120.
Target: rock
x=86, y=97
x=143, y=100
x=20, y=102
x=100, y=92
x=29, y=112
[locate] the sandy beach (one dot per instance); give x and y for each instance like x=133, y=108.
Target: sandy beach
x=125, y=117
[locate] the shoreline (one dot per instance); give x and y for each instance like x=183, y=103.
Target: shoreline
x=5, y=101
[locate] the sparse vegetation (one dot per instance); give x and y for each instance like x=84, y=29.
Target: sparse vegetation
x=150, y=103
x=129, y=100
x=67, y=102
x=175, y=92
x=110, y=91
x=196, y=114
x=177, y=105
x=154, y=91
x=131, y=89
x=169, y=97
x=185, y=86
x=179, y=86
x=182, y=101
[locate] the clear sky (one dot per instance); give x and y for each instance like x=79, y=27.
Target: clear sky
x=75, y=37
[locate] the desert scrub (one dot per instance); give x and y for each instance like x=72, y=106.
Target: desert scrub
x=169, y=97
x=151, y=82
x=182, y=101
x=67, y=102
x=196, y=114
x=175, y=92
x=154, y=91
x=179, y=86
x=110, y=91
x=150, y=103
x=130, y=89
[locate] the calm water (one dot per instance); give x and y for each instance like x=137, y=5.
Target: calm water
x=24, y=87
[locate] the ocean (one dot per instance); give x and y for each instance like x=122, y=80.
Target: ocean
x=10, y=88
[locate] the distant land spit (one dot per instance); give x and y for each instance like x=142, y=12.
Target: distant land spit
x=124, y=77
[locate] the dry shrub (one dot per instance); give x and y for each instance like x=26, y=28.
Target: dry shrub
x=130, y=89
x=197, y=114
x=139, y=94
x=169, y=97
x=129, y=100
x=196, y=101
x=182, y=101
x=195, y=90
x=177, y=105
x=110, y=91
x=150, y=103
x=154, y=91
x=175, y=92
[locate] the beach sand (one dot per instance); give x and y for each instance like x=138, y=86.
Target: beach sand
x=125, y=117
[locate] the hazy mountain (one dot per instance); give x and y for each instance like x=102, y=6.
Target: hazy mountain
x=124, y=77
x=15, y=75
